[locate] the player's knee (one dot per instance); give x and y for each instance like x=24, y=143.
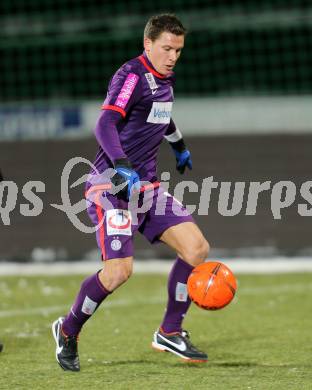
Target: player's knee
x=123, y=273
x=205, y=249
x=114, y=276
x=197, y=253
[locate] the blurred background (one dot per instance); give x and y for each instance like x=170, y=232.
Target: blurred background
x=243, y=102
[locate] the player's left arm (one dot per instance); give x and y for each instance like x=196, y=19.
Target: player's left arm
x=183, y=155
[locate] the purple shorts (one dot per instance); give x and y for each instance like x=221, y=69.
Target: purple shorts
x=150, y=213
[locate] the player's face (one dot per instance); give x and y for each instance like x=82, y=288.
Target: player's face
x=164, y=52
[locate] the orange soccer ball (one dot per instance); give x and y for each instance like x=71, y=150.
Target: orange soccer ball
x=211, y=285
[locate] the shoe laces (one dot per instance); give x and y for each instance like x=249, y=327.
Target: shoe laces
x=186, y=335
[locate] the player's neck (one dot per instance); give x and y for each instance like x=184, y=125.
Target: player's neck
x=148, y=60
x=150, y=64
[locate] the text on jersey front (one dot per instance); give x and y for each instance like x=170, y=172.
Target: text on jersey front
x=160, y=112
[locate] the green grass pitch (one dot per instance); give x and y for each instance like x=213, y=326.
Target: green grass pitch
x=262, y=340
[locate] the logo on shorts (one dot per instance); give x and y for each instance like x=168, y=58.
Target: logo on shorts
x=116, y=245
x=118, y=222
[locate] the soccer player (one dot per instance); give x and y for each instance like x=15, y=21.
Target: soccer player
x=136, y=116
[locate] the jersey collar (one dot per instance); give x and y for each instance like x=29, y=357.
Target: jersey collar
x=148, y=65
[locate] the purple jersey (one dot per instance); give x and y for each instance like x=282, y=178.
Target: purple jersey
x=136, y=117
x=143, y=98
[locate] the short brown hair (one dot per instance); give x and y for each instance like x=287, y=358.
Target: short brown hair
x=165, y=22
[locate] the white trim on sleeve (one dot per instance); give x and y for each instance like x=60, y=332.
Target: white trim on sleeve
x=174, y=137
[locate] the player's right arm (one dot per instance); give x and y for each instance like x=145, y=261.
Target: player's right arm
x=122, y=95
x=183, y=155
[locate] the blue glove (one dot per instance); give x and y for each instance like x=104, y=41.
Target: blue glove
x=183, y=160
x=127, y=177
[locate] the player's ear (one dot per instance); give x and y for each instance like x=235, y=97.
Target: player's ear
x=147, y=42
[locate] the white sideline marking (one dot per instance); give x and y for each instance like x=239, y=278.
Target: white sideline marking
x=271, y=289
x=32, y=311
x=154, y=266
x=64, y=308
x=282, y=288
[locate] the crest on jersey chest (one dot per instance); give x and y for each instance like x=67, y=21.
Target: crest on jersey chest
x=151, y=82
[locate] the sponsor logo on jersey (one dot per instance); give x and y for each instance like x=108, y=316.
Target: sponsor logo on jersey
x=151, y=82
x=126, y=90
x=160, y=112
x=118, y=222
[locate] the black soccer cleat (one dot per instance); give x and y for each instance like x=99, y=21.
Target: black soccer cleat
x=1, y=347
x=179, y=344
x=66, y=348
